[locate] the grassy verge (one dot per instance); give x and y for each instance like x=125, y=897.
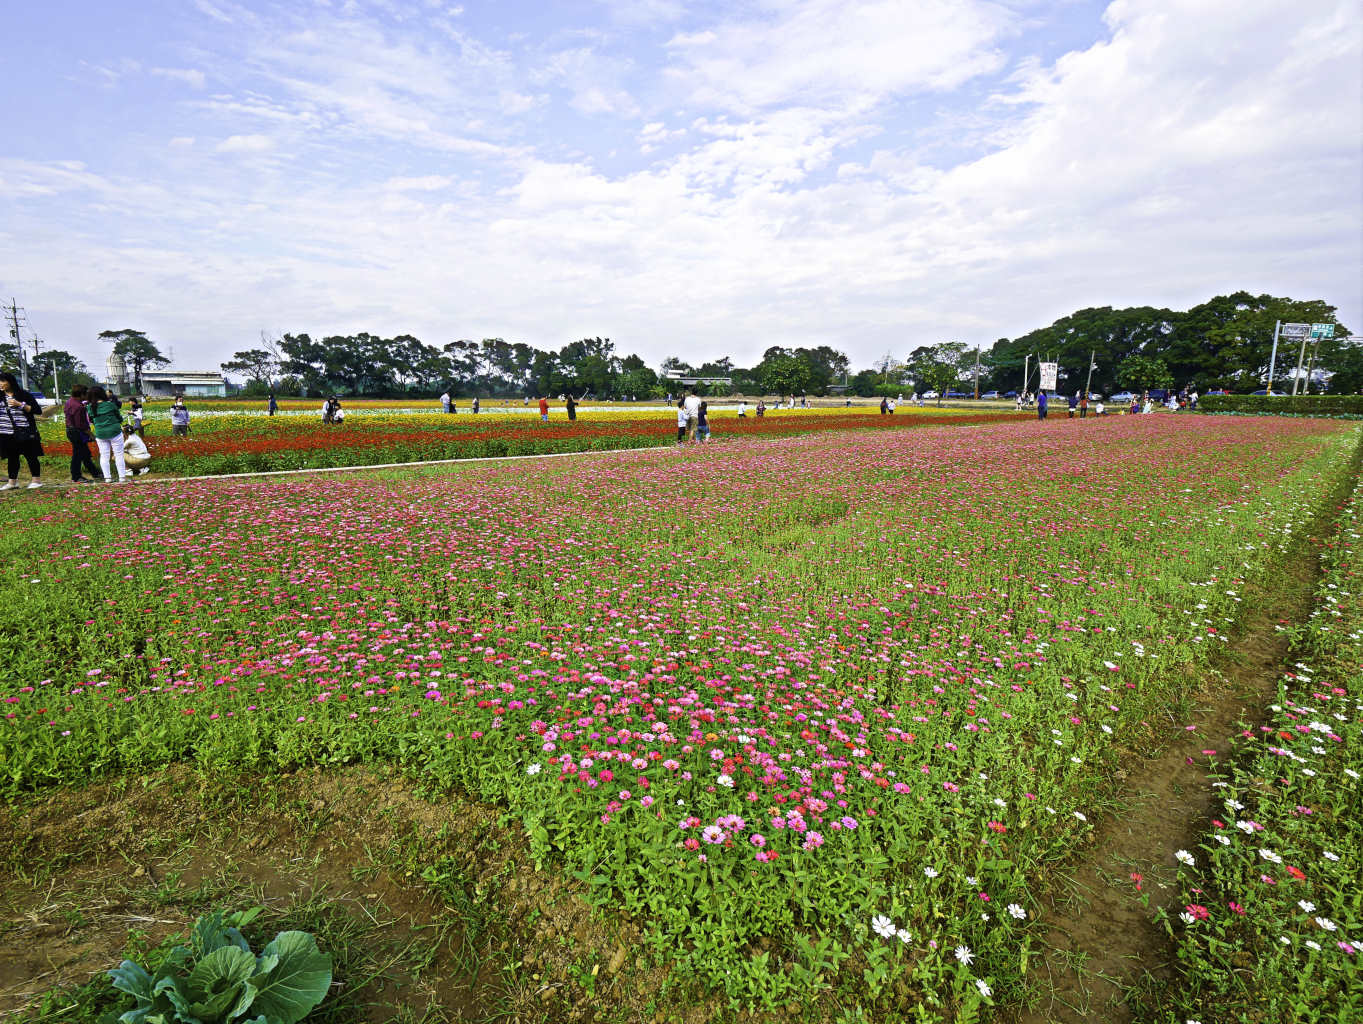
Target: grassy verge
x=1271, y=926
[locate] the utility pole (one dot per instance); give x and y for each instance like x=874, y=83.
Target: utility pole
x=1026, y=372
x=1273, y=359
x=1092, y=353
x=977, y=372
x=1311, y=369
x=18, y=342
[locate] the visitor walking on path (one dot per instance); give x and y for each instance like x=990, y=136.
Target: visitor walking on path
x=544, y=410
x=78, y=433
x=179, y=419
x=135, y=454
x=572, y=408
x=19, y=433
x=1041, y=405
x=106, y=421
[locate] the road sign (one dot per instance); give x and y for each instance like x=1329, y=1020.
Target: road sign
x=1296, y=330
x=1322, y=330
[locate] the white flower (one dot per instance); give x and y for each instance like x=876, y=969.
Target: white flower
x=726, y=780
x=964, y=955
x=930, y=872
x=904, y=935
x=1186, y=917
x=534, y=769
x=1326, y=923
x=1080, y=816
x=1314, y=945
x=1269, y=855
x=1223, y=840
x=971, y=881
x=1306, y=905
x=882, y=926
x=1330, y=856
x=1184, y=857
x=1284, y=940
x=983, y=987
x=1017, y=911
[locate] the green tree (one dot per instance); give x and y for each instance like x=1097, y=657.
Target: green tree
x=255, y=364
x=784, y=374
x=1140, y=373
x=137, y=350
x=937, y=367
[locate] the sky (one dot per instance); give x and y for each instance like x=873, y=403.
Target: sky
x=687, y=179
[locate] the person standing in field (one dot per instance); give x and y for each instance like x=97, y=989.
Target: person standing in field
x=884, y=406
x=106, y=422
x=1041, y=401
x=703, y=422
x=544, y=409
x=1084, y=406
x=135, y=453
x=19, y=432
x=681, y=420
x=1099, y=410
x=475, y=405
x=742, y=410
x=271, y=407
x=445, y=402
x=761, y=408
x=572, y=408
x=179, y=420
x=692, y=406
x=137, y=413
x=78, y=433
x=1073, y=403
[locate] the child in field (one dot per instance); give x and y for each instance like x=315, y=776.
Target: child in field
x=681, y=421
x=703, y=423
x=337, y=413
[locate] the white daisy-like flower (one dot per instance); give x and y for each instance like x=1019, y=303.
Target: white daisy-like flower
x=1326, y=923
x=1270, y=856
x=1284, y=940
x=1312, y=944
x=1223, y=840
x=1306, y=905
x=904, y=936
x=1080, y=817
x=1186, y=917
x=963, y=954
x=1184, y=857
x=1330, y=856
x=931, y=872
x=883, y=926
x=983, y=987
x=1017, y=912
x=971, y=881
x=534, y=769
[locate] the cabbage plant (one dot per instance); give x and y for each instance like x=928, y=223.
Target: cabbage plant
x=217, y=979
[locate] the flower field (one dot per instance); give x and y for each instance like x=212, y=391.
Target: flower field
x=223, y=442
x=825, y=715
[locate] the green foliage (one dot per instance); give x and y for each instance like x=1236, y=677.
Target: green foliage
x=1338, y=406
x=217, y=978
x=1140, y=373
x=138, y=352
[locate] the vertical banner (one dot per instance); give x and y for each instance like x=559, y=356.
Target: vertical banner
x=1048, y=375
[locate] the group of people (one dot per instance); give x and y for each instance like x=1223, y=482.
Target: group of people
x=1142, y=404
x=449, y=406
x=693, y=419
x=332, y=411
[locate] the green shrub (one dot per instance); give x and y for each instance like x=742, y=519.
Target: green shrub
x=1332, y=406
x=218, y=979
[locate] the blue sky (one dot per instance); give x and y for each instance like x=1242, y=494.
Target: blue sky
x=686, y=179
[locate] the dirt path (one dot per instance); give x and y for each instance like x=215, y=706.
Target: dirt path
x=1100, y=928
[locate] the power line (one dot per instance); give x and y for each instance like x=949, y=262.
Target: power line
x=14, y=311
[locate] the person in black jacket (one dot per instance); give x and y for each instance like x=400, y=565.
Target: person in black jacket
x=19, y=432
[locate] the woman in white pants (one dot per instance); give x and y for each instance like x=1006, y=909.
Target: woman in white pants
x=106, y=421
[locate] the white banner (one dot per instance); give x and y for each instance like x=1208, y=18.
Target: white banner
x=1295, y=330
x=1048, y=374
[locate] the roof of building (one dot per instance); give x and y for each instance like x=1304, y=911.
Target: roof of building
x=182, y=375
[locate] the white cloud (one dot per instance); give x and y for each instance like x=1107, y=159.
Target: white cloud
x=192, y=77
x=245, y=144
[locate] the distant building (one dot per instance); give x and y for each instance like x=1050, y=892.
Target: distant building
x=116, y=374
x=190, y=383
x=691, y=380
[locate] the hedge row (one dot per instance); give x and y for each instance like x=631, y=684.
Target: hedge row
x=1346, y=406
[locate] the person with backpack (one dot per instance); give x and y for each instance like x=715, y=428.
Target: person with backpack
x=19, y=432
x=179, y=419
x=106, y=421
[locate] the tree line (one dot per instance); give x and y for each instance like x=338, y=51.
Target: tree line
x=1225, y=342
